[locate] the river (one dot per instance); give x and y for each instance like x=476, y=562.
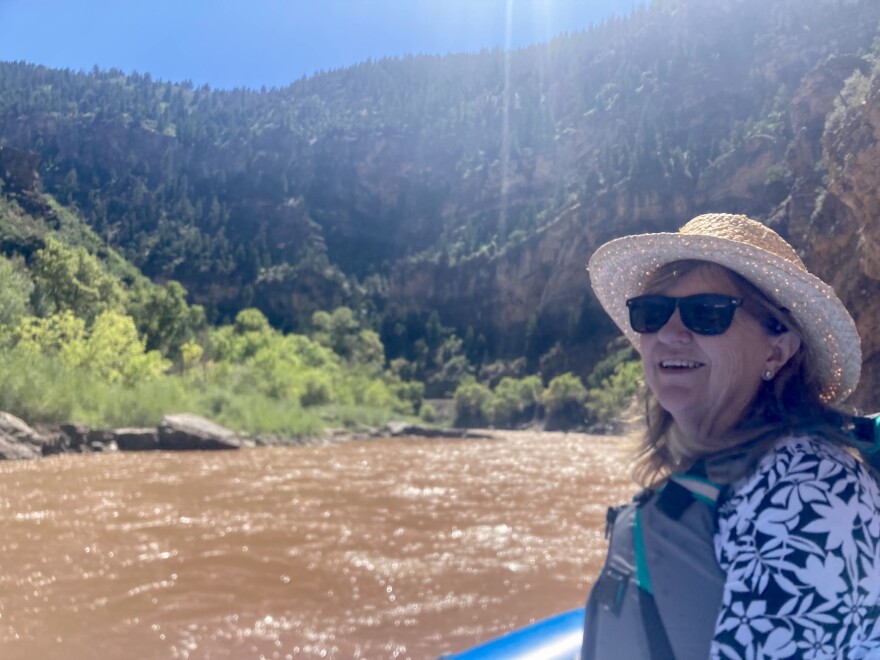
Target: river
x=392, y=548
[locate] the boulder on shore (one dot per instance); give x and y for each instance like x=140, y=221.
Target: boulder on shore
x=76, y=437
x=83, y=438
x=18, y=440
x=186, y=431
x=136, y=439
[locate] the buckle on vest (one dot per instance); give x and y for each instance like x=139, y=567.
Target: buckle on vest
x=610, y=589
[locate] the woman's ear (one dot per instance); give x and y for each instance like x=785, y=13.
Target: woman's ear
x=783, y=348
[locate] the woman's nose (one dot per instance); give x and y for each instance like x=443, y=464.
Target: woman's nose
x=674, y=331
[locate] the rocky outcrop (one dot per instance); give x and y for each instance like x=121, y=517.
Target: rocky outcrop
x=183, y=432
x=17, y=439
x=136, y=439
x=833, y=202
x=191, y=432
x=846, y=233
x=179, y=432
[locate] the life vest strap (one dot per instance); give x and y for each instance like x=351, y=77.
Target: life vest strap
x=701, y=488
x=643, y=574
x=679, y=492
x=659, y=645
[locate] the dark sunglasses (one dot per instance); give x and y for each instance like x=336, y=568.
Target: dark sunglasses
x=703, y=313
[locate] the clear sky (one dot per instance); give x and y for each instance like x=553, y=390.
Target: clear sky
x=249, y=43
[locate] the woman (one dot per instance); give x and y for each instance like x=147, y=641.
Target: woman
x=759, y=533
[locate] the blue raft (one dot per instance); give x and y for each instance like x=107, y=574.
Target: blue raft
x=556, y=638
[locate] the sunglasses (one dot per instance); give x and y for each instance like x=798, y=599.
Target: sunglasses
x=703, y=313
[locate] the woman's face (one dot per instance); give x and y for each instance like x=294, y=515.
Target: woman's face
x=707, y=382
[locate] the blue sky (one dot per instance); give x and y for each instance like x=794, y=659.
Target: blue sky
x=249, y=43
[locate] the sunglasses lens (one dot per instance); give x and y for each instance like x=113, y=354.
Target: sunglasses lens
x=704, y=313
x=708, y=313
x=648, y=314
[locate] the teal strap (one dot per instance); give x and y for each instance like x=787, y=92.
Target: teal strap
x=865, y=436
x=643, y=574
x=876, y=446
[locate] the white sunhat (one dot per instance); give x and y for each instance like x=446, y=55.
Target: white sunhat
x=620, y=268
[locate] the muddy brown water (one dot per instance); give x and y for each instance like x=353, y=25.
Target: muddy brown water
x=397, y=548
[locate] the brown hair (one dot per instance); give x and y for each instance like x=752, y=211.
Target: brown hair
x=790, y=401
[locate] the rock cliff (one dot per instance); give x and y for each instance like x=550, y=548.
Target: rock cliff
x=837, y=225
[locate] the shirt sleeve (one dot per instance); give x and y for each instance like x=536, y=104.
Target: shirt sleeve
x=799, y=542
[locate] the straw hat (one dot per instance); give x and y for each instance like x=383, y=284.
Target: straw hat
x=620, y=268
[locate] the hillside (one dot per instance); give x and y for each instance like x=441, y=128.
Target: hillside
x=475, y=187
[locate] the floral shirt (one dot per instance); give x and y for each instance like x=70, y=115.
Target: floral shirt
x=799, y=541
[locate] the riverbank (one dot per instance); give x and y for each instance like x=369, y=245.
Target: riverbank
x=185, y=431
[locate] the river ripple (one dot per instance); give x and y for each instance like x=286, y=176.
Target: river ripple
x=398, y=548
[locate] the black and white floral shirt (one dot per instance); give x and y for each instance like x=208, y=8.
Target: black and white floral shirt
x=799, y=541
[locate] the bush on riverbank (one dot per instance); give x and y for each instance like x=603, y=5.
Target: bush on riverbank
x=95, y=342
x=611, y=387
x=249, y=377
x=606, y=403
x=564, y=404
x=516, y=401
x=472, y=402
x=40, y=389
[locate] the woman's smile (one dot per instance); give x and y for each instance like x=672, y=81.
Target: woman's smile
x=680, y=365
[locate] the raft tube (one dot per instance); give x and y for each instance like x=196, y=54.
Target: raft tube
x=556, y=638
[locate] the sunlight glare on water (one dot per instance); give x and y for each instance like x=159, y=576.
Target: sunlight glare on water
x=399, y=548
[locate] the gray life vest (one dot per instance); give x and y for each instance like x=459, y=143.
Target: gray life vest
x=659, y=593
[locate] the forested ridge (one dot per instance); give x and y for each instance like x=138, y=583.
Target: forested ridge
x=431, y=216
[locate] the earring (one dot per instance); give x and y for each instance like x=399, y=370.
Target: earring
x=768, y=375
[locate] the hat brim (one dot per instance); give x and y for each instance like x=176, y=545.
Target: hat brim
x=620, y=269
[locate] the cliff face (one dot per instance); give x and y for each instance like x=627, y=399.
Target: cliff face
x=837, y=225
x=812, y=170
x=545, y=275
x=771, y=167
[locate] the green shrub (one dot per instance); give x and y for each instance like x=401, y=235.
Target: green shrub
x=472, y=404
x=515, y=401
x=427, y=413
x=354, y=416
x=141, y=404
x=564, y=402
x=450, y=375
x=410, y=394
x=72, y=279
x=260, y=415
x=606, y=402
x=606, y=367
x=16, y=287
x=38, y=387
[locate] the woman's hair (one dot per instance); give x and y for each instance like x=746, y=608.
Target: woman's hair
x=790, y=401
